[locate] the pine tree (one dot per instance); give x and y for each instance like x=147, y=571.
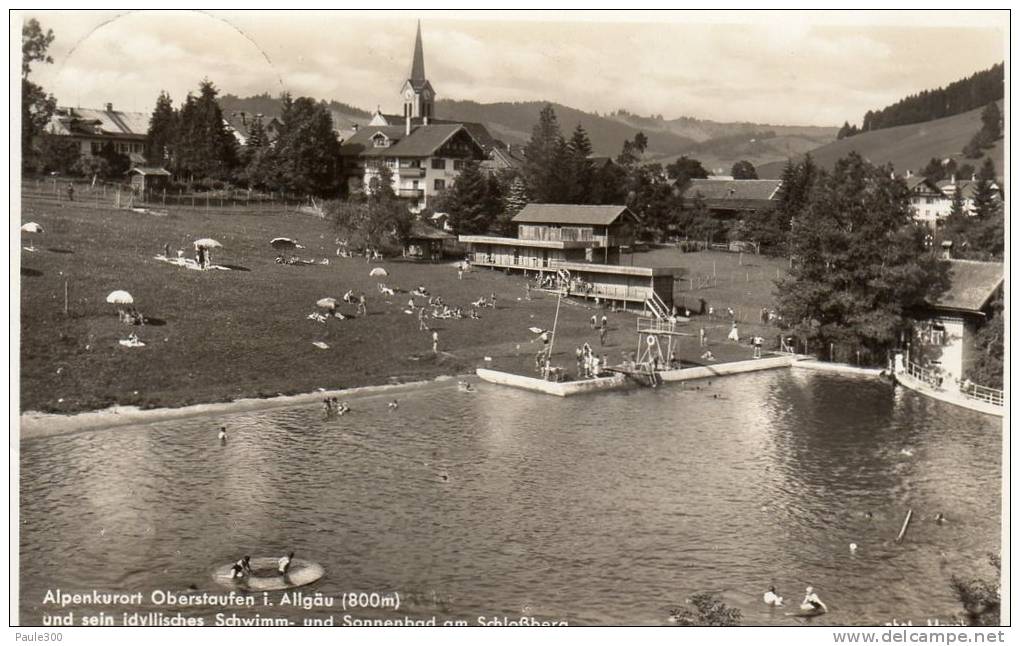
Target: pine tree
x=257, y=137
x=516, y=198
x=541, y=155
x=204, y=147
x=306, y=155
x=470, y=201
x=990, y=122
x=159, y=141
x=956, y=206
x=580, y=149
x=985, y=198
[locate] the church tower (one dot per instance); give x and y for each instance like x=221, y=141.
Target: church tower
x=417, y=93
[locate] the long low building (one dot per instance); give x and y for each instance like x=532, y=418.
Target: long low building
x=575, y=237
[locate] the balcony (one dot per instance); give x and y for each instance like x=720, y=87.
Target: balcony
x=411, y=193
x=411, y=172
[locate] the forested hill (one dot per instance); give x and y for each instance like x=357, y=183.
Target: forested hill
x=975, y=91
x=512, y=122
x=717, y=144
x=909, y=146
x=343, y=114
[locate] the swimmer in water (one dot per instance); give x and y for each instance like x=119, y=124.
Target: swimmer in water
x=344, y=408
x=939, y=518
x=327, y=407
x=811, y=602
x=223, y=435
x=444, y=476
x=771, y=598
x=283, y=565
x=392, y=405
x=868, y=515
x=241, y=569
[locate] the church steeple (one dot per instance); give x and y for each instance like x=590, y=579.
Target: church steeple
x=418, y=64
x=417, y=92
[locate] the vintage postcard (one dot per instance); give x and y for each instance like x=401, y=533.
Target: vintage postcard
x=511, y=319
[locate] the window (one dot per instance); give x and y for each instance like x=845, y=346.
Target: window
x=438, y=163
x=440, y=185
x=380, y=141
x=458, y=164
x=96, y=147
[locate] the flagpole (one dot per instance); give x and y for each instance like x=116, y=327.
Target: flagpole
x=552, y=341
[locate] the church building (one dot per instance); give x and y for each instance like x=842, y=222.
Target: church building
x=424, y=154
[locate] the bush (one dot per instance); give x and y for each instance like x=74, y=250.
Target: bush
x=980, y=598
x=706, y=609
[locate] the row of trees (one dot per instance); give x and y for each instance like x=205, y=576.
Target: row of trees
x=960, y=96
x=938, y=170
x=194, y=143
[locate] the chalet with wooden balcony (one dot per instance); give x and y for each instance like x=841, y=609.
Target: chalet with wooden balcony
x=584, y=240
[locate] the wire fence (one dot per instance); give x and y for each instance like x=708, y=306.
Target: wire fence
x=120, y=195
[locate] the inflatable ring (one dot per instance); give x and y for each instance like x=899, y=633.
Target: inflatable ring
x=265, y=576
x=651, y=340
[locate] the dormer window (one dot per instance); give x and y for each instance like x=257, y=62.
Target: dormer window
x=379, y=140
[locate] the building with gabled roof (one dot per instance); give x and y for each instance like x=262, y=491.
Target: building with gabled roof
x=950, y=322
x=584, y=240
x=92, y=128
x=424, y=153
x=733, y=197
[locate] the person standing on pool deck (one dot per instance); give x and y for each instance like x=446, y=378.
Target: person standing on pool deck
x=283, y=565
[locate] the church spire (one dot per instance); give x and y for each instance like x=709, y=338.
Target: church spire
x=418, y=63
x=417, y=92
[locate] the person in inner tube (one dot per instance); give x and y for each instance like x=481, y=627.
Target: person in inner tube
x=241, y=569
x=283, y=565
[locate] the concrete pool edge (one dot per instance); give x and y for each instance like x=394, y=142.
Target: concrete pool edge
x=33, y=424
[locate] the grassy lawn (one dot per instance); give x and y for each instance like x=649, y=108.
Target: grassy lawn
x=220, y=335
x=741, y=282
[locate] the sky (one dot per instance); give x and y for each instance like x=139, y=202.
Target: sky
x=780, y=68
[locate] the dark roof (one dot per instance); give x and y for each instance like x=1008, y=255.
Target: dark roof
x=734, y=189
x=971, y=285
x=417, y=77
x=475, y=129
x=917, y=180
x=422, y=231
x=423, y=141
x=601, y=215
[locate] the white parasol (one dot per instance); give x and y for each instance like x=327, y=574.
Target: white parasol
x=206, y=243
x=378, y=271
x=120, y=297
